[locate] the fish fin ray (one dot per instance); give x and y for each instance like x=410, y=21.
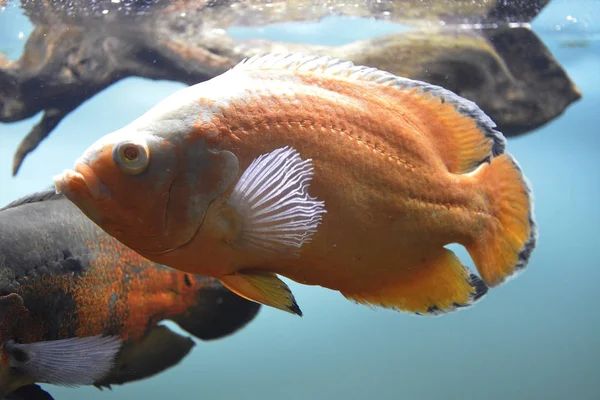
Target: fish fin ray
x=463, y=134
x=66, y=362
x=505, y=247
x=456, y=131
x=437, y=285
x=264, y=288
x=278, y=215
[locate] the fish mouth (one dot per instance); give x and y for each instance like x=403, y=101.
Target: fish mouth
x=80, y=180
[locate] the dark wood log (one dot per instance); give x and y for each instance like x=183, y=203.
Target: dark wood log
x=76, y=50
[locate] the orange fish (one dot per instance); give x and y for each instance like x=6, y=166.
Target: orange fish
x=327, y=173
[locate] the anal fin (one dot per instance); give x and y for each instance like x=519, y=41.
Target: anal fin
x=262, y=287
x=436, y=285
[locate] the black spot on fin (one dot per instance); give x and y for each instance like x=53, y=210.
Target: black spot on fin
x=295, y=308
x=481, y=290
x=480, y=287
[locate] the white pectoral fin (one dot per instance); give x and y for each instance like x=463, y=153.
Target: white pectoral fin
x=67, y=362
x=271, y=196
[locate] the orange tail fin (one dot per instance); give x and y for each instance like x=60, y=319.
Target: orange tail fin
x=507, y=243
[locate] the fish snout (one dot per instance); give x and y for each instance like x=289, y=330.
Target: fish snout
x=81, y=180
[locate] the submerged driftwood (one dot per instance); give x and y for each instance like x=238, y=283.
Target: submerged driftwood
x=78, y=48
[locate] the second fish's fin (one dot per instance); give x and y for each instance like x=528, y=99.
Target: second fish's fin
x=67, y=362
x=271, y=197
x=435, y=285
x=262, y=287
x=218, y=311
x=30, y=392
x=159, y=350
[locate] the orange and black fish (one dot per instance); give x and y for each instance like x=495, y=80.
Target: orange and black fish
x=321, y=171
x=79, y=308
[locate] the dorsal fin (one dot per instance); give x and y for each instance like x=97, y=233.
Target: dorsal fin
x=48, y=194
x=467, y=136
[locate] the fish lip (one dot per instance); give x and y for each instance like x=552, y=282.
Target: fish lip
x=81, y=179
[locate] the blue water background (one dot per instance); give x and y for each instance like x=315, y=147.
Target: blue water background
x=537, y=337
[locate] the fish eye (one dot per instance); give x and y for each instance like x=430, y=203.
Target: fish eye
x=131, y=153
x=131, y=157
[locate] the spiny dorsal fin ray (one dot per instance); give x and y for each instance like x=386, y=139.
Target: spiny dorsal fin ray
x=465, y=136
x=48, y=194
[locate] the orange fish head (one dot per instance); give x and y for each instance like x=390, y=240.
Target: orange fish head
x=149, y=191
x=122, y=183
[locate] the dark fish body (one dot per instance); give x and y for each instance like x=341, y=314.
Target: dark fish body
x=62, y=277
x=29, y=392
